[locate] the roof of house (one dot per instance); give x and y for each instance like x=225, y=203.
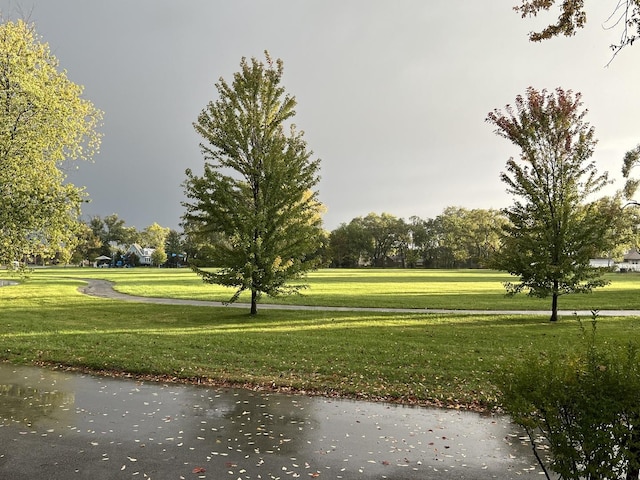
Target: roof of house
x=632, y=254
x=141, y=252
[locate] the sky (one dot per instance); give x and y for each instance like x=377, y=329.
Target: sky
x=392, y=95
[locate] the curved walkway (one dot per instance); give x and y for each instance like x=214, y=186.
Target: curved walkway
x=104, y=289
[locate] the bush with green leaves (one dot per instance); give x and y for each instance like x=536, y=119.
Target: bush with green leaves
x=580, y=409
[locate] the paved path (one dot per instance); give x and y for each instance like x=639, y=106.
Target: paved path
x=104, y=289
x=58, y=425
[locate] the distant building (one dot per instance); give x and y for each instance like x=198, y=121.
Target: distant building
x=602, y=262
x=143, y=254
x=630, y=262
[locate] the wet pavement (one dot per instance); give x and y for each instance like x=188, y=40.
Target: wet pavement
x=62, y=425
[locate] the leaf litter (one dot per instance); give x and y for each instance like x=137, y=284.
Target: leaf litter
x=201, y=432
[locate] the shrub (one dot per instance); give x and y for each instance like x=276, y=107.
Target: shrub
x=582, y=405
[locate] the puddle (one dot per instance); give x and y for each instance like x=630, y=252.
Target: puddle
x=58, y=425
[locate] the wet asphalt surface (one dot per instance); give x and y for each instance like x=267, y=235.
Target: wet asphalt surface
x=63, y=425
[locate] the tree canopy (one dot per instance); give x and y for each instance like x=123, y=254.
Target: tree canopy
x=44, y=121
x=630, y=161
x=255, y=202
x=154, y=236
x=555, y=228
x=457, y=238
x=573, y=16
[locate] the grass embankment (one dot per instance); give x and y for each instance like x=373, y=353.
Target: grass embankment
x=421, y=358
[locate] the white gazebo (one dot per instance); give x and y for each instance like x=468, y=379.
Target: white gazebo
x=100, y=259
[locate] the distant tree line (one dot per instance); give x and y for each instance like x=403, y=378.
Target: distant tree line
x=457, y=238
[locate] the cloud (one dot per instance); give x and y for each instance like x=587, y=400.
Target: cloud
x=392, y=96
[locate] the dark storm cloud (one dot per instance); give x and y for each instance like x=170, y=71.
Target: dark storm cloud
x=392, y=95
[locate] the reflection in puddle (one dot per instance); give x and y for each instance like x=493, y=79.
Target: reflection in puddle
x=28, y=404
x=71, y=425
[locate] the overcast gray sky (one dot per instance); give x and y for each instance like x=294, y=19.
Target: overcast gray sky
x=392, y=95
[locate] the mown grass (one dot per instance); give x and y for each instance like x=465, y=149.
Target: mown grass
x=416, y=358
x=439, y=289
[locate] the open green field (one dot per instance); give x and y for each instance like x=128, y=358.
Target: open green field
x=440, y=289
x=413, y=358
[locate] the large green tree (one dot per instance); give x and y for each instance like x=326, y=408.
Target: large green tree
x=159, y=256
x=44, y=121
x=175, y=248
x=555, y=227
x=373, y=239
x=347, y=244
x=457, y=238
x=113, y=233
x=154, y=236
x=88, y=246
x=467, y=238
x=256, y=198
x=387, y=234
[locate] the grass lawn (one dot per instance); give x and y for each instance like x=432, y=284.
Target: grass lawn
x=413, y=358
x=440, y=289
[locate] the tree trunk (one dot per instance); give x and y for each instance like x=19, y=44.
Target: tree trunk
x=554, y=302
x=254, y=301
